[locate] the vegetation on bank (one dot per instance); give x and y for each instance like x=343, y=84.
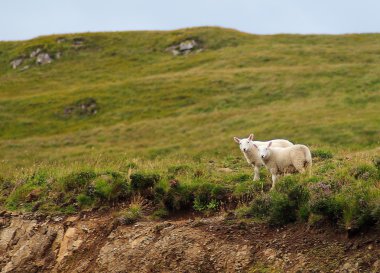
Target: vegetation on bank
x=344, y=191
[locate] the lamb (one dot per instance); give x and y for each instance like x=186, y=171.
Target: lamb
x=251, y=153
x=293, y=159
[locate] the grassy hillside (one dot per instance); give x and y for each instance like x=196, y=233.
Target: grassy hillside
x=156, y=111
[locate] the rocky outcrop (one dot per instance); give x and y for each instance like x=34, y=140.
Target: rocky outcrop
x=171, y=248
x=16, y=62
x=43, y=58
x=184, y=48
x=93, y=243
x=83, y=107
x=35, y=52
x=36, y=56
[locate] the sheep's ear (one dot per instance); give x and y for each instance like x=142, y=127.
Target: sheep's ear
x=251, y=136
x=270, y=144
x=237, y=140
x=255, y=146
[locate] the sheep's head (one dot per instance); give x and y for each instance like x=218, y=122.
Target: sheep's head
x=244, y=143
x=264, y=151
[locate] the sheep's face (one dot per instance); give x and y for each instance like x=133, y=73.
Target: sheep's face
x=264, y=152
x=245, y=143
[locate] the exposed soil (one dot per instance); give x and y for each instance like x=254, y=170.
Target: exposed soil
x=95, y=242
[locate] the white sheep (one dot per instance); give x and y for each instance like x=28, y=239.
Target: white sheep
x=251, y=152
x=293, y=159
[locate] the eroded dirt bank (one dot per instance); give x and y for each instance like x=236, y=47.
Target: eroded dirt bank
x=97, y=243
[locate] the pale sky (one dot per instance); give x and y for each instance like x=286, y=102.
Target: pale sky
x=25, y=19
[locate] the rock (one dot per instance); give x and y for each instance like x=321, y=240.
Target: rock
x=35, y=52
x=70, y=242
x=16, y=62
x=84, y=107
x=376, y=266
x=187, y=45
x=184, y=48
x=175, y=52
x=348, y=267
x=270, y=254
x=57, y=219
x=43, y=58
x=78, y=41
x=26, y=67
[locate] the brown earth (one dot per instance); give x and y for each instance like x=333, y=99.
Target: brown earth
x=97, y=243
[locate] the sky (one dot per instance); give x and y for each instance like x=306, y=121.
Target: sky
x=25, y=19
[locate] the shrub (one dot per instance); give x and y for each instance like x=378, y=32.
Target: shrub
x=282, y=209
x=356, y=203
x=245, y=191
x=213, y=205
x=39, y=178
x=376, y=162
x=326, y=206
x=143, y=181
x=365, y=172
x=286, y=201
x=243, y=211
x=27, y=192
x=84, y=200
x=205, y=192
x=199, y=205
x=179, y=197
x=304, y=212
x=111, y=186
x=134, y=211
x=76, y=182
x=160, y=213
x=103, y=187
x=323, y=154
x=6, y=186
x=260, y=207
x=297, y=193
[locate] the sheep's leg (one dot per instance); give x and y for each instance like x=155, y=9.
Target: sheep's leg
x=256, y=173
x=274, y=179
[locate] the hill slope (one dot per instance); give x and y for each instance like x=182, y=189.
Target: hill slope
x=316, y=89
x=142, y=122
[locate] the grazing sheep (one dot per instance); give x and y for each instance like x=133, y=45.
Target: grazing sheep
x=251, y=152
x=293, y=159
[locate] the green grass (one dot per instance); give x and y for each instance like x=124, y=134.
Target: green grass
x=161, y=117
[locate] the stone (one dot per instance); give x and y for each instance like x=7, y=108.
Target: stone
x=376, y=266
x=78, y=41
x=26, y=67
x=35, y=52
x=187, y=45
x=43, y=58
x=184, y=48
x=16, y=62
